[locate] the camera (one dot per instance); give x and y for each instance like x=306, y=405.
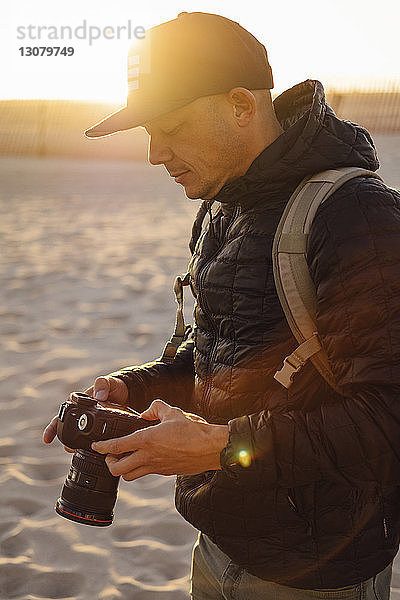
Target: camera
x=90, y=491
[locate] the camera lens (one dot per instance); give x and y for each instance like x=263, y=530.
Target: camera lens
x=90, y=491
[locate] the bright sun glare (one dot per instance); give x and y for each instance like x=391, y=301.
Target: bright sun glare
x=345, y=45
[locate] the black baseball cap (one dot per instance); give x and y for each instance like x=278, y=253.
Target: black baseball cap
x=197, y=54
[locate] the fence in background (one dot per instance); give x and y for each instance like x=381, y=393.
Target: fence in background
x=55, y=127
x=376, y=107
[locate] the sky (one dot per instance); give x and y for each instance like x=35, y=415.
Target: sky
x=339, y=42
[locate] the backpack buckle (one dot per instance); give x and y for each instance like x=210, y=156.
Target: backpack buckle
x=291, y=365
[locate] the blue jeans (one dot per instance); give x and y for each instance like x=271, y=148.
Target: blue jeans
x=215, y=577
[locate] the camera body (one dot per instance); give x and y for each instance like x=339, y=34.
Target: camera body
x=82, y=420
x=90, y=491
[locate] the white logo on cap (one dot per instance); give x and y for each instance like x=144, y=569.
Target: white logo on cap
x=133, y=72
x=133, y=60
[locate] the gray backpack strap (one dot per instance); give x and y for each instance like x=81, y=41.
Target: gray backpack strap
x=293, y=282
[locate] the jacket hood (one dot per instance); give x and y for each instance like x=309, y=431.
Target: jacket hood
x=313, y=139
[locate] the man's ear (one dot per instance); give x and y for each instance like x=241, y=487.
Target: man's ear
x=243, y=103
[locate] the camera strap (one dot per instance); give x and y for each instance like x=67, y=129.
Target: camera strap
x=182, y=330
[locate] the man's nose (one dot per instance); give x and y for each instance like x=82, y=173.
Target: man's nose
x=158, y=152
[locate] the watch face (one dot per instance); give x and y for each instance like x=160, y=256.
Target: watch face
x=233, y=458
x=227, y=459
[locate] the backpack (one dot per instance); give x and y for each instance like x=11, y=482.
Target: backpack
x=295, y=288
x=293, y=282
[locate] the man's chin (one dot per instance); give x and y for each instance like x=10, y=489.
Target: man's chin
x=192, y=195
x=198, y=192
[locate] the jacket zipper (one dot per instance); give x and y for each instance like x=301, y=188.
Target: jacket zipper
x=294, y=507
x=385, y=523
x=201, y=278
x=385, y=528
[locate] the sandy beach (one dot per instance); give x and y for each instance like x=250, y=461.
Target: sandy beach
x=89, y=252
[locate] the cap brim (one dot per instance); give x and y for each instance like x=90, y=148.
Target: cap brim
x=136, y=114
x=118, y=121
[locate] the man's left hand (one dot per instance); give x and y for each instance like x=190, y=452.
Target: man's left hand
x=181, y=444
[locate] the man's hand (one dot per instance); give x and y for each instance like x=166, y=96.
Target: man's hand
x=181, y=444
x=107, y=390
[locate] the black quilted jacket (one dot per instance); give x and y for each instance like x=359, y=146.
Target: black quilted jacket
x=319, y=505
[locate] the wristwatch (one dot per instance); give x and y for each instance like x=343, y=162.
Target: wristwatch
x=237, y=454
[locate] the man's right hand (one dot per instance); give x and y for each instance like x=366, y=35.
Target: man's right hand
x=107, y=390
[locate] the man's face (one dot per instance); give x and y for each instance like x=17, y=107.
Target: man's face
x=199, y=145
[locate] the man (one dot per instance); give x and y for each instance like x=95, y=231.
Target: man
x=295, y=492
